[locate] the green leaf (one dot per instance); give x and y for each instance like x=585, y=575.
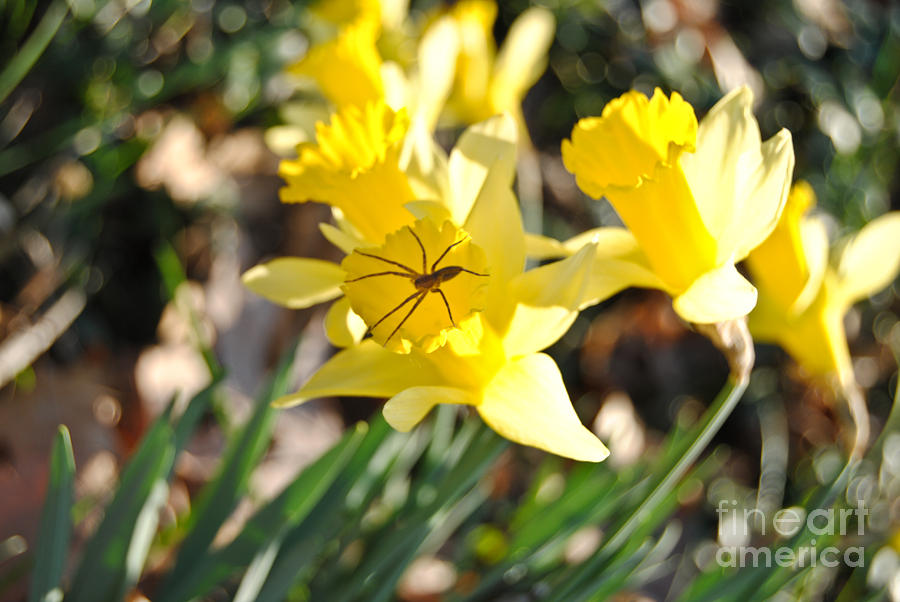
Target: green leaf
x=337, y=511
x=221, y=495
x=268, y=524
x=56, y=522
x=31, y=51
x=113, y=557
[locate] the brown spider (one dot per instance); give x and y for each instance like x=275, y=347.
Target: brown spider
x=424, y=281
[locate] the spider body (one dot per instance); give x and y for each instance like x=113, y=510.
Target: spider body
x=426, y=281
x=433, y=281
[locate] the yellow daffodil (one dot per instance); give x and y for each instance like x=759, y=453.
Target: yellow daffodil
x=695, y=199
x=346, y=68
x=354, y=166
x=490, y=360
x=803, y=298
x=488, y=82
x=342, y=12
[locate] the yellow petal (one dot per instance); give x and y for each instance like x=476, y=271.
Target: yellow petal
x=739, y=184
x=343, y=327
x=606, y=261
x=548, y=300
x=527, y=402
x=765, y=191
x=438, y=52
x=347, y=68
x=558, y=283
x=496, y=223
x=433, y=210
x=779, y=265
x=815, y=337
x=474, y=21
x=522, y=58
x=871, y=259
x=718, y=295
x=625, y=144
x=295, y=282
x=365, y=370
x=407, y=409
x=345, y=11
x=344, y=241
x=485, y=148
x=538, y=246
x=814, y=235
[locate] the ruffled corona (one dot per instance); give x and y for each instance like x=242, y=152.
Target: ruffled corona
x=423, y=282
x=354, y=166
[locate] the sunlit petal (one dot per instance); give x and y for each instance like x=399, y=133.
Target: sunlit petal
x=407, y=409
x=718, y=295
x=343, y=327
x=871, y=259
x=527, y=402
x=295, y=282
x=485, y=148
x=522, y=58
x=365, y=370
x=779, y=265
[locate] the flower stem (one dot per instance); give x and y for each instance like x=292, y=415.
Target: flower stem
x=716, y=415
x=580, y=586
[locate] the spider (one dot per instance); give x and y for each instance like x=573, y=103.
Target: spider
x=425, y=282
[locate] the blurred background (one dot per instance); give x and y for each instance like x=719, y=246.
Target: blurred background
x=138, y=181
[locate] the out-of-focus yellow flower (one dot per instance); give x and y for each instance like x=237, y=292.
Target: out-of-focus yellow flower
x=348, y=67
x=342, y=12
x=492, y=362
x=488, y=82
x=354, y=166
x=695, y=199
x=803, y=298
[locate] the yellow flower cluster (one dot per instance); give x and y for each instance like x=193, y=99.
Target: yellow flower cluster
x=433, y=302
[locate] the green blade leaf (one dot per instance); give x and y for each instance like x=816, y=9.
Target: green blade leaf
x=221, y=495
x=56, y=522
x=113, y=557
x=270, y=523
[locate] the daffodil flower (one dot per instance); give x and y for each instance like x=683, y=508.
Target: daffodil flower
x=456, y=61
x=488, y=82
x=343, y=12
x=803, y=296
x=695, y=199
x=491, y=359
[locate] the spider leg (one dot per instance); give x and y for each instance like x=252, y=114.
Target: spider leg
x=408, y=314
x=446, y=304
x=390, y=313
x=473, y=273
x=396, y=263
x=421, y=246
x=447, y=250
x=380, y=274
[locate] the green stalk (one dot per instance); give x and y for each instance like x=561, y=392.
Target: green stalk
x=698, y=439
x=32, y=50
